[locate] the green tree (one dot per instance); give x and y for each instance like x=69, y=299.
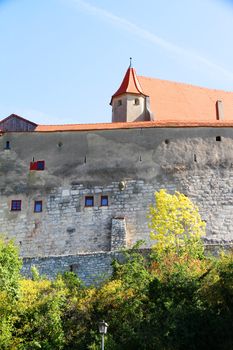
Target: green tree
x=190, y=297
x=10, y=266
x=176, y=224
x=38, y=317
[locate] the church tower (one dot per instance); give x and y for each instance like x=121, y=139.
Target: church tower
x=130, y=103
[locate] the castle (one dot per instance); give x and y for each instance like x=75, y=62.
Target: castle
x=73, y=196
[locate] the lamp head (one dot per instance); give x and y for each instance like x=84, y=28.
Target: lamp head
x=103, y=326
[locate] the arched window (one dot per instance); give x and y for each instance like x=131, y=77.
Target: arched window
x=136, y=101
x=119, y=103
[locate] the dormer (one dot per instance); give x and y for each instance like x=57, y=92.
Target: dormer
x=129, y=103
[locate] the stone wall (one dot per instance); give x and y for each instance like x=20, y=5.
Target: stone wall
x=91, y=268
x=66, y=226
x=194, y=161
x=118, y=234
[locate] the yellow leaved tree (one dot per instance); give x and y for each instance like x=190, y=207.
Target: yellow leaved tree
x=176, y=224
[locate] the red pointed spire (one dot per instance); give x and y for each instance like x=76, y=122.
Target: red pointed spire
x=130, y=84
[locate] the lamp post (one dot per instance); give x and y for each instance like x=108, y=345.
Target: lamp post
x=103, y=326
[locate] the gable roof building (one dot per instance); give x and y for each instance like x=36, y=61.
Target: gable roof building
x=16, y=123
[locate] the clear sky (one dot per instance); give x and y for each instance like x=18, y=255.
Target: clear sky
x=61, y=60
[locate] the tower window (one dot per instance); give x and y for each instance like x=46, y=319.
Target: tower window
x=218, y=138
x=15, y=205
x=136, y=101
x=89, y=201
x=38, y=206
x=104, y=201
x=119, y=103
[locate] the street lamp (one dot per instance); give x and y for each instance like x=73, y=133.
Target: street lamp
x=103, y=326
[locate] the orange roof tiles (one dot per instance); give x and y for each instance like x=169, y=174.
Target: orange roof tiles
x=182, y=102
x=172, y=104
x=130, y=84
x=132, y=125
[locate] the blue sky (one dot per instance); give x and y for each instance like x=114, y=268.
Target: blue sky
x=61, y=60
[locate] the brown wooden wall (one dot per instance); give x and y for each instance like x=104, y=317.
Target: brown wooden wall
x=15, y=123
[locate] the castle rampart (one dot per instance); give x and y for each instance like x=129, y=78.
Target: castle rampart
x=127, y=167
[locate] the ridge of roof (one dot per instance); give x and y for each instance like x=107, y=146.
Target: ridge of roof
x=130, y=84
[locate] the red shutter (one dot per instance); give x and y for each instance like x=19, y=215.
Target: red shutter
x=33, y=165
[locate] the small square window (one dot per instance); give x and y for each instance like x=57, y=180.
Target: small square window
x=104, y=201
x=38, y=206
x=40, y=165
x=15, y=205
x=89, y=201
x=218, y=138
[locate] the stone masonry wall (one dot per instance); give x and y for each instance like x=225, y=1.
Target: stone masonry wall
x=118, y=234
x=91, y=268
x=195, y=161
x=67, y=227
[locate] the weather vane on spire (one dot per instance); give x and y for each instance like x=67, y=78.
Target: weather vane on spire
x=130, y=62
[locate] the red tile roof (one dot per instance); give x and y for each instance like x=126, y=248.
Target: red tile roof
x=172, y=104
x=132, y=125
x=183, y=102
x=130, y=84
